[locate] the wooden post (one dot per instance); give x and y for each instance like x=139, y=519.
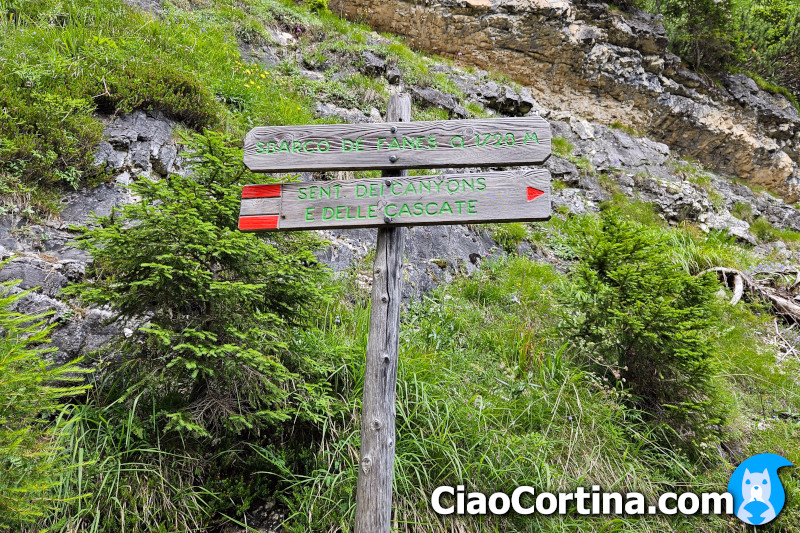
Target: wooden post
x=476, y=198
x=376, y=465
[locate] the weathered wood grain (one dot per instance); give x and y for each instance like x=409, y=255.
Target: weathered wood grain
x=408, y=201
x=399, y=145
x=376, y=464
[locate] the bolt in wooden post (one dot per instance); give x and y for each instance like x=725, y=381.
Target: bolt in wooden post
x=376, y=467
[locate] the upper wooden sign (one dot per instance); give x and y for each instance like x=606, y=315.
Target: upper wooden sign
x=400, y=145
x=402, y=201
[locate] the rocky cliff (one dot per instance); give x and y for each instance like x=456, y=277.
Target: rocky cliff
x=587, y=58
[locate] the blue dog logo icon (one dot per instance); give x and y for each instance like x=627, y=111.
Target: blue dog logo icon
x=758, y=494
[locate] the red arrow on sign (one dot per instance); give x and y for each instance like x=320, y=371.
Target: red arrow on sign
x=534, y=193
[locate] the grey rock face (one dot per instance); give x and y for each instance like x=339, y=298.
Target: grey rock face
x=141, y=142
x=433, y=254
x=393, y=75
x=83, y=334
x=772, y=110
x=647, y=170
x=100, y=201
x=36, y=304
x=373, y=65
x=35, y=273
x=436, y=254
x=434, y=97
x=350, y=116
x=582, y=57
x=501, y=98
x=574, y=201
x=643, y=31
x=46, y=259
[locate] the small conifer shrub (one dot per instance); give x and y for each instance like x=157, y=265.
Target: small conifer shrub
x=646, y=325
x=207, y=377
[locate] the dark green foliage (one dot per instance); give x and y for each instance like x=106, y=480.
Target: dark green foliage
x=155, y=86
x=216, y=300
x=773, y=47
x=317, y=5
x=777, y=14
x=645, y=324
x=207, y=377
x=701, y=32
x=759, y=37
x=31, y=391
x=45, y=138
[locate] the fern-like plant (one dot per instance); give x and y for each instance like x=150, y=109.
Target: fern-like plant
x=32, y=392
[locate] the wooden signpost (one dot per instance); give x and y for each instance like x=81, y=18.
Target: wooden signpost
x=407, y=201
x=399, y=144
x=390, y=203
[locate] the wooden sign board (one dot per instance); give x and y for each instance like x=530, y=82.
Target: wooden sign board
x=399, y=145
x=405, y=201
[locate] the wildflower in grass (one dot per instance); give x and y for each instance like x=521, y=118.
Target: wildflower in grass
x=264, y=76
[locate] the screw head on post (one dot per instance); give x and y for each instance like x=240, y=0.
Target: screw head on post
x=387, y=219
x=392, y=158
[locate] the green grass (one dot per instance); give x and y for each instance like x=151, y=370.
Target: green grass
x=61, y=63
x=429, y=113
x=487, y=397
x=509, y=236
x=773, y=88
x=476, y=110
x=616, y=125
x=583, y=164
x=562, y=147
x=743, y=211
x=766, y=232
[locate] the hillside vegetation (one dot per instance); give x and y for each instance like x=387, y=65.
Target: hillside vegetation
x=760, y=37
x=238, y=386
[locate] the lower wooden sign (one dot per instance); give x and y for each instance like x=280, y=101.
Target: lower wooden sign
x=522, y=195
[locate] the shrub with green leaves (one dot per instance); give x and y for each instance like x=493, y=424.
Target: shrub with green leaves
x=207, y=376
x=701, y=32
x=773, y=31
x=45, y=137
x=645, y=324
x=317, y=5
x=31, y=393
